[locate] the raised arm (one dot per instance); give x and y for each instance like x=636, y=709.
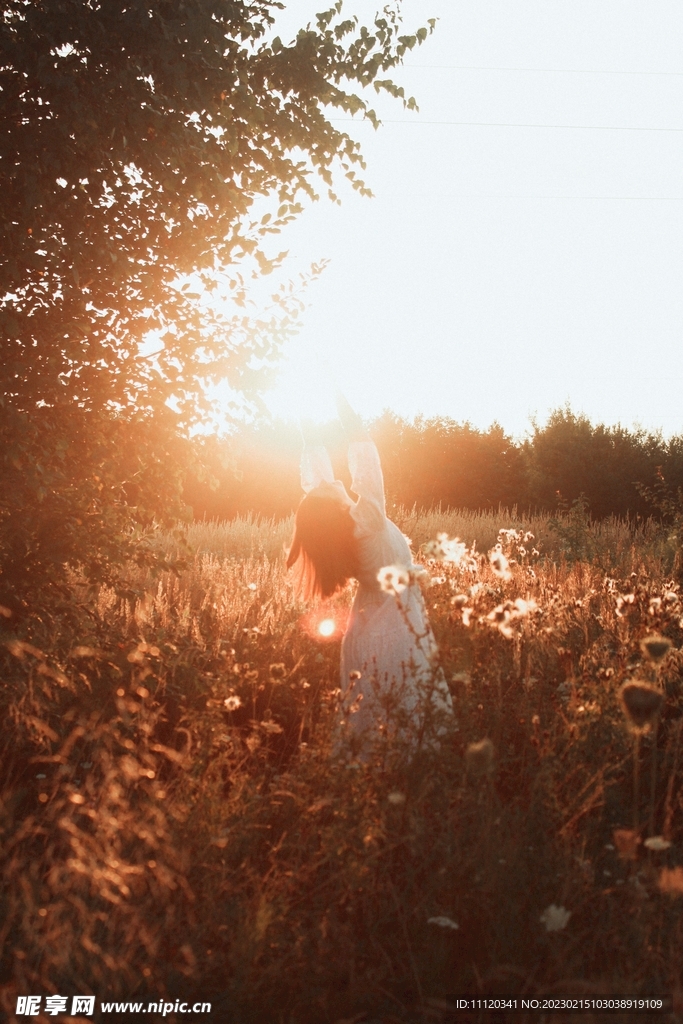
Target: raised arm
x=366, y=471
x=316, y=467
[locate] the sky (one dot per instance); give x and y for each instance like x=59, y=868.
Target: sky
x=524, y=246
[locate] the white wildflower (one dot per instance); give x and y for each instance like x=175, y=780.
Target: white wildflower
x=443, y=922
x=393, y=579
x=452, y=549
x=463, y=678
x=446, y=549
x=499, y=563
x=271, y=727
x=555, y=918
x=504, y=615
x=232, y=703
x=657, y=843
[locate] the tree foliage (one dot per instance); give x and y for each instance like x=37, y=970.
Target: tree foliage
x=138, y=139
x=569, y=456
x=568, y=462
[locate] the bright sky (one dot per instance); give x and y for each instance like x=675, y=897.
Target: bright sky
x=529, y=257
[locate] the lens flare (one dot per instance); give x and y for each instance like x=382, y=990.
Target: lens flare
x=327, y=627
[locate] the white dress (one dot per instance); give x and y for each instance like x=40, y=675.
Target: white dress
x=390, y=682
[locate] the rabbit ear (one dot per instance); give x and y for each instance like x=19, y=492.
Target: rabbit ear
x=293, y=552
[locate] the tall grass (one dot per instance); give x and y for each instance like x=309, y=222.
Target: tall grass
x=174, y=822
x=613, y=542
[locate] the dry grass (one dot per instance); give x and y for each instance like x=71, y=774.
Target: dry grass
x=614, y=542
x=173, y=821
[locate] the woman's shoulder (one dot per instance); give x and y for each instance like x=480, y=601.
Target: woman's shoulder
x=368, y=516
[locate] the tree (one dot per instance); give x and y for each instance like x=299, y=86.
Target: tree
x=570, y=456
x=438, y=461
x=136, y=140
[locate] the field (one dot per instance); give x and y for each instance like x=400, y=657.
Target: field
x=175, y=826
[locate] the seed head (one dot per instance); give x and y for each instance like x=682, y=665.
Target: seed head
x=479, y=758
x=657, y=843
x=641, y=703
x=555, y=918
x=655, y=648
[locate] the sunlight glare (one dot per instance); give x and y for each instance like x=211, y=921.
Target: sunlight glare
x=327, y=627
x=304, y=389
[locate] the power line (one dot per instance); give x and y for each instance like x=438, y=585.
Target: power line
x=508, y=124
x=540, y=71
x=498, y=195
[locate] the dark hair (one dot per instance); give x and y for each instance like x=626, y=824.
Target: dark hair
x=324, y=545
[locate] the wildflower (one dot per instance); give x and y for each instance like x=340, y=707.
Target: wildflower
x=232, y=703
x=479, y=758
x=499, y=563
x=396, y=798
x=655, y=648
x=277, y=671
x=443, y=922
x=355, y=707
x=251, y=586
x=445, y=549
x=271, y=727
x=622, y=601
x=657, y=843
x=555, y=918
x=641, y=703
x=462, y=677
x=509, y=612
x=671, y=881
x=393, y=579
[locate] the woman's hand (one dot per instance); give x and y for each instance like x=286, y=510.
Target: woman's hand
x=310, y=433
x=351, y=421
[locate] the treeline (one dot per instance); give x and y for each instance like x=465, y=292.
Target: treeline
x=429, y=462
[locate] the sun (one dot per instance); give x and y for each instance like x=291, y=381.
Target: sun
x=305, y=384
x=327, y=627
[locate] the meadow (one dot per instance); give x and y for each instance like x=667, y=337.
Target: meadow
x=175, y=825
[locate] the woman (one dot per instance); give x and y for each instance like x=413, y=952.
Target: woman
x=390, y=682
